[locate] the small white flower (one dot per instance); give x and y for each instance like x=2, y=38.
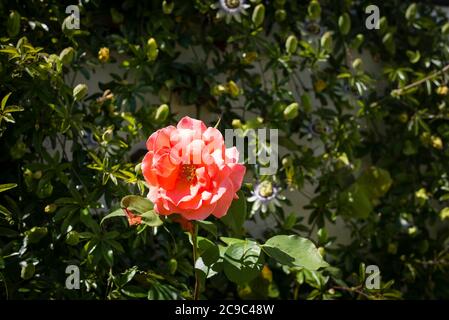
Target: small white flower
x=231, y=9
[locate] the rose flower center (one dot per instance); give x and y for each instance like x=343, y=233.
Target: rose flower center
x=188, y=172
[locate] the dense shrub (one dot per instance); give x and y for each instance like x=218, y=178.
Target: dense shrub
x=376, y=156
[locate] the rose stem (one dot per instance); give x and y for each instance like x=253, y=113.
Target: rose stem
x=196, y=292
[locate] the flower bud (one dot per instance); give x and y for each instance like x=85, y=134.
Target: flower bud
x=50, y=208
x=152, y=49
x=72, y=238
x=403, y=117
x=80, y=92
x=411, y=11
x=162, y=113
x=172, y=266
x=233, y=89
x=280, y=15
x=236, y=123
x=27, y=270
x=249, y=57
x=13, y=23
x=291, y=45
x=218, y=90
x=291, y=111
x=326, y=41
x=445, y=28
x=344, y=23
x=357, y=42
x=66, y=56
x=314, y=10
x=37, y=175
x=167, y=6
x=357, y=64
x=258, y=15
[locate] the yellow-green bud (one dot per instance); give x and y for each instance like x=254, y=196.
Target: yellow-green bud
x=411, y=11
x=172, y=266
x=249, y=57
x=291, y=112
x=162, y=113
x=344, y=23
x=357, y=64
x=326, y=41
x=72, y=238
x=236, y=123
x=167, y=6
x=66, y=55
x=291, y=45
x=233, y=89
x=258, y=15
x=219, y=89
x=280, y=15
x=445, y=28
x=314, y=10
x=80, y=92
x=403, y=117
x=13, y=23
x=27, y=271
x=37, y=175
x=153, y=50
x=357, y=42
x=50, y=208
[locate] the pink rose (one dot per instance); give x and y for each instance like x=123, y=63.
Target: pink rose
x=190, y=172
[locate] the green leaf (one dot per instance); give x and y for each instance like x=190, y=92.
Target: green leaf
x=243, y=261
x=116, y=213
x=294, y=251
x=5, y=98
x=137, y=204
x=208, y=251
x=236, y=215
x=151, y=219
x=208, y=226
x=88, y=221
x=7, y=186
x=355, y=202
